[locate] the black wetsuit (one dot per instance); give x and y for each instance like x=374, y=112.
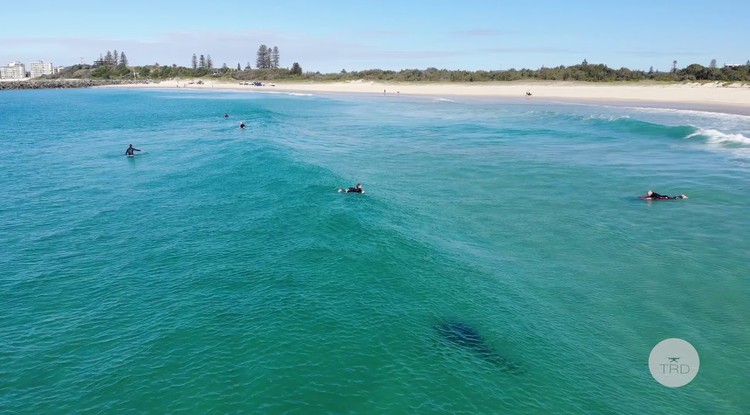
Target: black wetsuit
x=655, y=195
x=131, y=151
x=354, y=190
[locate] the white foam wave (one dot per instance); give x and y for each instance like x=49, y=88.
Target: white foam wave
x=695, y=113
x=444, y=100
x=604, y=117
x=291, y=94
x=717, y=137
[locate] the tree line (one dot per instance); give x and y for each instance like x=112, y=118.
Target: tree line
x=267, y=58
x=583, y=72
x=110, y=65
x=267, y=64
x=201, y=66
x=112, y=58
x=203, y=63
x=268, y=68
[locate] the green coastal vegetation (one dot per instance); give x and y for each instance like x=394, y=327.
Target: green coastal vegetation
x=113, y=66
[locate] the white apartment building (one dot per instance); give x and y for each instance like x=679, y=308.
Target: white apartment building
x=14, y=70
x=40, y=68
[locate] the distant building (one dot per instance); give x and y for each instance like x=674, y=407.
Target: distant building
x=40, y=68
x=14, y=70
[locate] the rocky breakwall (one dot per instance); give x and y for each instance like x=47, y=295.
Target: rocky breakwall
x=57, y=83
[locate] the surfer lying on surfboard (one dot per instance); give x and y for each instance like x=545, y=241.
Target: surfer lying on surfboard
x=651, y=195
x=131, y=151
x=357, y=189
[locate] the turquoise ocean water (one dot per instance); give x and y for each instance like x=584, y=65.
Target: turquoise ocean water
x=219, y=271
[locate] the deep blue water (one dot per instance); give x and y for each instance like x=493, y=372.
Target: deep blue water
x=219, y=270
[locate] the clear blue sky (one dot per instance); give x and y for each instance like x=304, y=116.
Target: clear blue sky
x=328, y=35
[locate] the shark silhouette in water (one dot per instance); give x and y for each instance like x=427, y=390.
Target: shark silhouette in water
x=465, y=336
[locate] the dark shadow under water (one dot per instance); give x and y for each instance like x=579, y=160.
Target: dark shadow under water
x=466, y=337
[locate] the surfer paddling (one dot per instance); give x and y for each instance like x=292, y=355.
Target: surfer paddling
x=651, y=195
x=356, y=189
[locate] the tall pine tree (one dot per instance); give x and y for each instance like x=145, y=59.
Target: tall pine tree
x=262, y=58
x=275, y=58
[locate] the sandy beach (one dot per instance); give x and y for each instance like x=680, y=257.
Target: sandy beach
x=719, y=96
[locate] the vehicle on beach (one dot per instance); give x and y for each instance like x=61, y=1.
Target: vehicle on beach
x=255, y=83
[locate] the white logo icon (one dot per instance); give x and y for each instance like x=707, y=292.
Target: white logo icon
x=673, y=362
